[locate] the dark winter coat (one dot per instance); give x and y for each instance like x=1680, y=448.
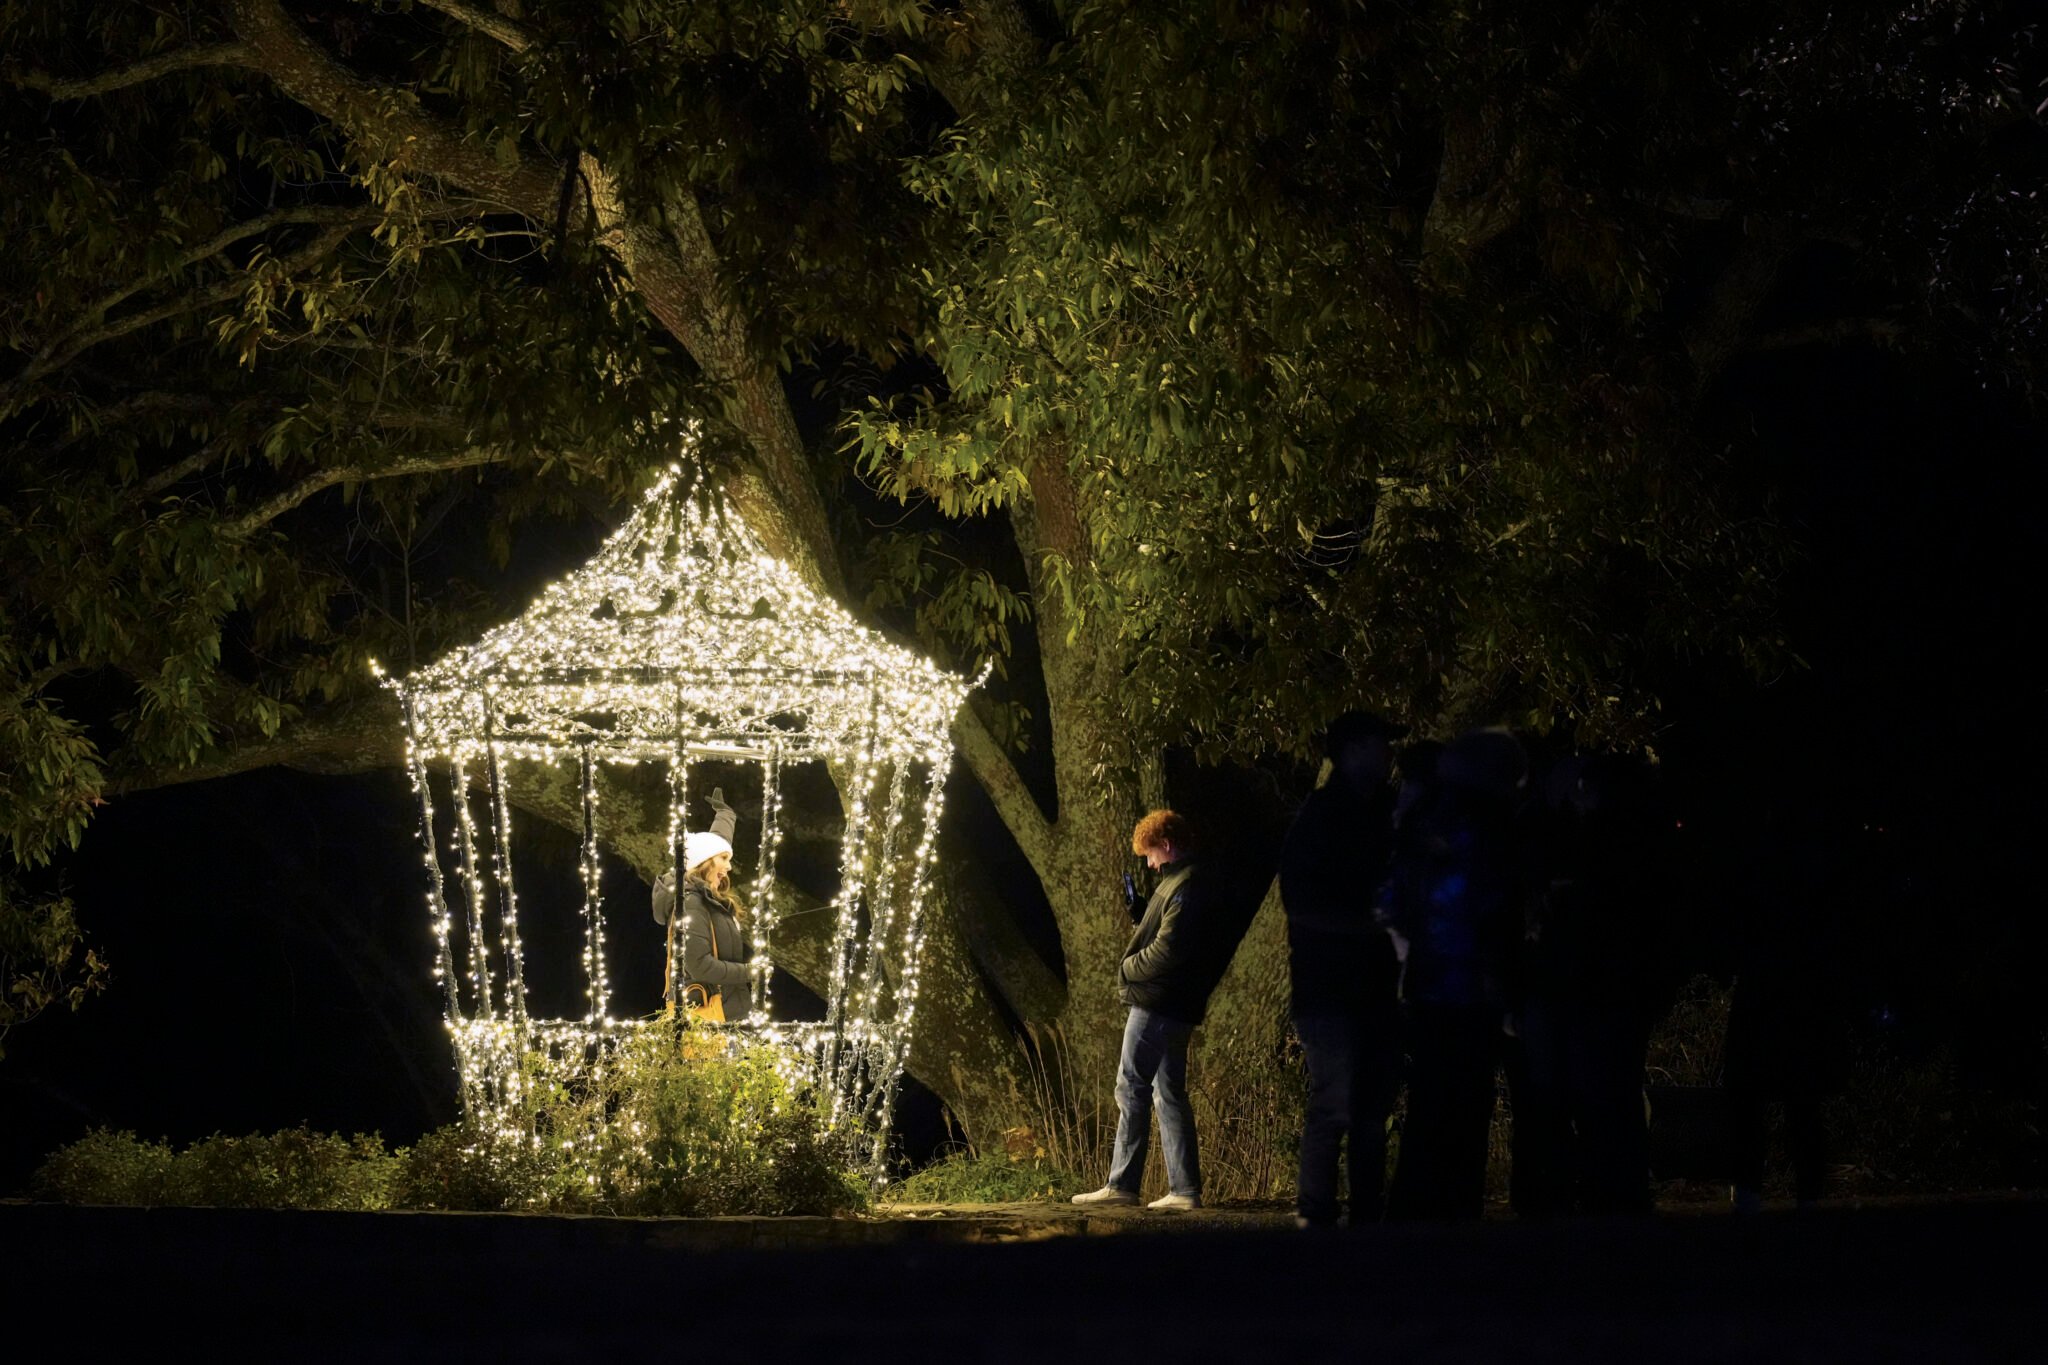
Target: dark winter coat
x=1335, y=857
x=1181, y=947
x=1601, y=929
x=1455, y=891
x=708, y=918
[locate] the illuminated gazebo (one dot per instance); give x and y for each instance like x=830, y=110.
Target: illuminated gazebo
x=682, y=644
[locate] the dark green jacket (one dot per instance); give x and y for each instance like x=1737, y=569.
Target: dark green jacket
x=1181, y=947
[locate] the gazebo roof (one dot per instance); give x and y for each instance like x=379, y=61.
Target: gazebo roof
x=684, y=630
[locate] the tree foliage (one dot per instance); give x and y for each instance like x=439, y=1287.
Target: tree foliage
x=1375, y=367
x=44, y=960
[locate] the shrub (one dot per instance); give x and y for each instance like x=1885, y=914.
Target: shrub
x=965, y=1177
x=701, y=1131
x=294, y=1169
x=459, y=1167
x=106, y=1167
x=707, y=1130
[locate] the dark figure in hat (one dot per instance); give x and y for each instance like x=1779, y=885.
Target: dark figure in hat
x=1453, y=904
x=1343, y=969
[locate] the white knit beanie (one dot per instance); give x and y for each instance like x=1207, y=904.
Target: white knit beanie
x=699, y=846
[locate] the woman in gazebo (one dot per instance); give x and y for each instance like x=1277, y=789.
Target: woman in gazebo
x=718, y=983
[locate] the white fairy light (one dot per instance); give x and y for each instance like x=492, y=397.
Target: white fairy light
x=683, y=641
x=466, y=844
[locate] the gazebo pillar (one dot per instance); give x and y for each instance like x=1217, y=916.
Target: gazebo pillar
x=597, y=984
x=482, y=1004
x=437, y=888
x=678, y=832
x=508, y=899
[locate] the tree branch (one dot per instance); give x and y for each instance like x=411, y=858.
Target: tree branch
x=1880, y=330
x=61, y=351
x=1005, y=786
x=1478, y=193
x=148, y=69
x=386, y=122
x=438, y=422
x=1716, y=333
x=114, y=414
x=359, y=737
x=267, y=512
x=227, y=237
x=999, y=45
x=490, y=23
x=183, y=469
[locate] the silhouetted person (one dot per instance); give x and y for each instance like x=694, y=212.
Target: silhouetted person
x=1787, y=1037
x=1177, y=954
x=1453, y=902
x=1343, y=970
x=1597, y=974
x=1416, y=767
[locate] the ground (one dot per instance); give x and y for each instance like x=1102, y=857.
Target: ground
x=1924, y=1281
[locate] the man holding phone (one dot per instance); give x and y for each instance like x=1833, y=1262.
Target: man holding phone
x=1176, y=955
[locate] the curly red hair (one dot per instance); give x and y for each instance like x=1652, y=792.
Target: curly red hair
x=1162, y=829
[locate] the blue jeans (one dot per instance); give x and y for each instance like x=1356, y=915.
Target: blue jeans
x=1154, y=1070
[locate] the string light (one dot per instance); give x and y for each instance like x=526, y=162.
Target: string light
x=683, y=641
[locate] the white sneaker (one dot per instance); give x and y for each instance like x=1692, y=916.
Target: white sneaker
x=1176, y=1203
x=1108, y=1194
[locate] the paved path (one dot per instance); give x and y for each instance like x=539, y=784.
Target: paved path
x=1916, y=1283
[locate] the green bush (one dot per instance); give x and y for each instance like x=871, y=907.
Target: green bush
x=695, y=1131
x=458, y=1167
x=963, y=1177
x=294, y=1169
x=105, y=1167
x=660, y=1131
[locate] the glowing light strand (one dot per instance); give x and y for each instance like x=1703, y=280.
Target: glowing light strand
x=913, y=957
x=482, y=1004
x=501, y=861
x=767, y=912
x=593, y=896
x=882, y=902
x=437, y=890
x=841, y=1065
x=678, y=831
